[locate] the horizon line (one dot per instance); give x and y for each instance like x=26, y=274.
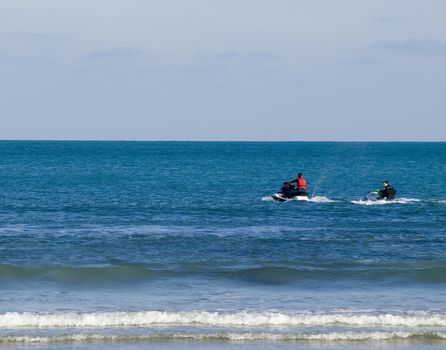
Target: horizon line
x=229, y=140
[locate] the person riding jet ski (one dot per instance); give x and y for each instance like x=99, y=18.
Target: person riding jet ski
x=301, y=188
x=388, y=192
x=288, y=191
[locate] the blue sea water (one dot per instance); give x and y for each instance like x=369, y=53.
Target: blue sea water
x=178, y=244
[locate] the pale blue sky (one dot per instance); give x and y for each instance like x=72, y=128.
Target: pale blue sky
x=223, y=70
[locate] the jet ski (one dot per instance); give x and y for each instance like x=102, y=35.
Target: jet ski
x=280, y=197
x=288, y=192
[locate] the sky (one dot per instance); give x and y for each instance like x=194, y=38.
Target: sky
x=298, y=70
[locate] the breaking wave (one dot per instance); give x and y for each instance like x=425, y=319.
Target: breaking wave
x=243, y=326
x=207, y=318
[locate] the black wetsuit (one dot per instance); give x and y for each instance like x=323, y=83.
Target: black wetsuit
x=388, y=193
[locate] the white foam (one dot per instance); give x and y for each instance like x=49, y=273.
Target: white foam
x=384, y=202
x=321, y=199
x=195, y=318
x=316, y=199
x=406, y=200
x=230, y=336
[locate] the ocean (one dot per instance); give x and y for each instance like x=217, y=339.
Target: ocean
x=175, y=245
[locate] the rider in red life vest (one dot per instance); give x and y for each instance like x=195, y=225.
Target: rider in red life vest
x=301, y=185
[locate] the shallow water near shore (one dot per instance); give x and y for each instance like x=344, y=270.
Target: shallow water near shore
x=178, y=244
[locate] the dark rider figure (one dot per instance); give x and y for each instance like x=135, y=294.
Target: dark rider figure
x=388, y=192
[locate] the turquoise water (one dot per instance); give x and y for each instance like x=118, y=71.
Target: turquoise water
x=167, y=243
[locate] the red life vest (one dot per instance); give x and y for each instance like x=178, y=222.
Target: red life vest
x=301, y=183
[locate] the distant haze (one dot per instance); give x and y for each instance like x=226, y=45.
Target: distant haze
x=223, y=70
